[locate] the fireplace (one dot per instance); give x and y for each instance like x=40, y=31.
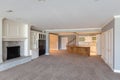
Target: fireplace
x=13, y=52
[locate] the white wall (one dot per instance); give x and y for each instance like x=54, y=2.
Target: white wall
x=47, y=43
x=53, y=42
x=98, y=44
x=1, y=40
x=117, y=44
x=27, y=41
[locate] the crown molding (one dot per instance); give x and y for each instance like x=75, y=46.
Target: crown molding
x=75, y=30
x=103, y=25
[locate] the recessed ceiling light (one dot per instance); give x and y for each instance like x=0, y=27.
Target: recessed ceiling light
x=41, y=0
x=9, y=11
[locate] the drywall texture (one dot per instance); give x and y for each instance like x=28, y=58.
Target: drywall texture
x=53, y=42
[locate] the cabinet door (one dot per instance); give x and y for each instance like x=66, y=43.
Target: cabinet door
x=107, y=47
x=14, y=29
x=32, y=40
x=4, y=28
x=111, y=48
x=102, y=44
x=22, y=30
x=10, y=29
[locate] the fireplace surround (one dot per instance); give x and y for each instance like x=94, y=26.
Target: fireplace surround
x=13, y=49
x=14, y=53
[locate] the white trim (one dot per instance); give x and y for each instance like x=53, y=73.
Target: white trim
x=53, y=49
x=117, y=16
x=38, y=32
x=75, y=30
x=1, y=19
x=116, y=71
x=47, y=54
x=14, y=39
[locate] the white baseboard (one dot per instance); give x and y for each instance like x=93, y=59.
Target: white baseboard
x=117, y=71
x=47, y=54
x=53, y=49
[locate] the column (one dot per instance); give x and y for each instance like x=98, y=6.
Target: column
x=47, y=43
x=1, y=58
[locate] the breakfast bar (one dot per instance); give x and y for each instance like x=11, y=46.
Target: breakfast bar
x=82, y=50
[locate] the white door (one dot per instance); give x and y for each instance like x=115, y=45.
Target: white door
x=98, y=44
x=64, y=41
x=111, y=48
x=103, y=46
x=107, y=47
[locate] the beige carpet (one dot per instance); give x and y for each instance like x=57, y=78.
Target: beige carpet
x=61, y=67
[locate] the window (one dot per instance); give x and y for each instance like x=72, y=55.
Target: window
x=82, y=39
x=93, y=38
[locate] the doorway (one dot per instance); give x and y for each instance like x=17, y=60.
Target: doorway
x=64, y=41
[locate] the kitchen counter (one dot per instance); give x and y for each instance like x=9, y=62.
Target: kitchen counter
x=82, y=50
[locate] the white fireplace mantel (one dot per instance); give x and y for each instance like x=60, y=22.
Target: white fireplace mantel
x=14, y=38
x=13, y=33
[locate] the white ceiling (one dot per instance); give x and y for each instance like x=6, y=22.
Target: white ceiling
x=61, y=14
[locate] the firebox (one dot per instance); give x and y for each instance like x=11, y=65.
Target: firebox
x=13, y=52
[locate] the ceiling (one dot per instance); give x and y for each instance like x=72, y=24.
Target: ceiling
x=61, y=14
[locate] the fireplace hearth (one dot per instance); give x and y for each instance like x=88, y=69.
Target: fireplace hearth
x=13, y=52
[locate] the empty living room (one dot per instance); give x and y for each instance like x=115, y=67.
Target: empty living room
x=59, y=40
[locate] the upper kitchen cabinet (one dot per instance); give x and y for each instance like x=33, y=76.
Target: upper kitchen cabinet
x=12, y=29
